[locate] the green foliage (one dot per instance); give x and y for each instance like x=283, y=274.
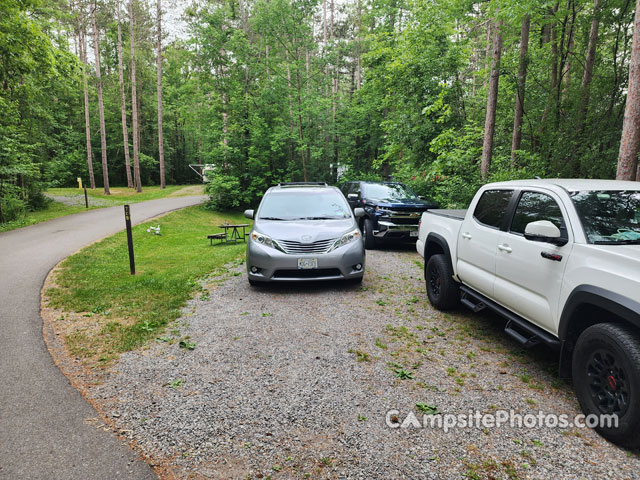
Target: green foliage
x=255, y=90
x=225, y=193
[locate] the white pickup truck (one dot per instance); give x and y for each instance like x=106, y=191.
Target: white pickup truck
x=560, y=261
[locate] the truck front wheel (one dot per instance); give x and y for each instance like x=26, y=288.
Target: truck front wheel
x=442, y=289
x=606, y=379
x=367, y=233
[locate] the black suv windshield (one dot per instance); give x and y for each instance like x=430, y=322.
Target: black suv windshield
x=387, y=191
x=609, y=217
x=301, y=205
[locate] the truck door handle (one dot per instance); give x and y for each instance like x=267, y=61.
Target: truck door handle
x=551, y=256
x=505, y=248
x=466, y=235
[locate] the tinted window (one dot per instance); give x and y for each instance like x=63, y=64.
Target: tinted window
x=388, y=191
x=609, y=216
x=355, y=189
x=345, y=189
x=492, y=207
x=534, y=206
x=303, y=205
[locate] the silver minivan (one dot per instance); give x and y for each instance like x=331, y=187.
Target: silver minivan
x=304, y=231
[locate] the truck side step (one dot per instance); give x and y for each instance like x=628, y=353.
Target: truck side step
x=526, y=342
x=474, y=306
x=524, y=332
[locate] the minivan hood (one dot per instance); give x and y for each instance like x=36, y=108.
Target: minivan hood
x=312, y=230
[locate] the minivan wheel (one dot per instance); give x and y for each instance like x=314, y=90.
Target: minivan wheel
x=367, y=233
x=442, y=289
x=606, y=379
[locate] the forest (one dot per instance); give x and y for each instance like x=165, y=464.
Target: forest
x=444, y=95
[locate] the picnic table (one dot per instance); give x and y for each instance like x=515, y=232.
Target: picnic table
x=232, y=232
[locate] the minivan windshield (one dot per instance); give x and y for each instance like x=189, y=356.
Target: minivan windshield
x=310, y=205
x=387, y=191
x=609, y=217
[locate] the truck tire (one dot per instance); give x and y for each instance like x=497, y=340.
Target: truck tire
x=367, y=233
x=606, y=379
x=442, y=289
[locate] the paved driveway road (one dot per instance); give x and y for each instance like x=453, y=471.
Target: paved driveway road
x=43, y=428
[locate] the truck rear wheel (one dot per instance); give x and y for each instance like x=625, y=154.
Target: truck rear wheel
x=606, y=379
x=442, y=289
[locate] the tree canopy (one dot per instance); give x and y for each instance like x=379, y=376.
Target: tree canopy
x=274, y=90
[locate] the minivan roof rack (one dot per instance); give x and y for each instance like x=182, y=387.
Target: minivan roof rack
x=302, y=184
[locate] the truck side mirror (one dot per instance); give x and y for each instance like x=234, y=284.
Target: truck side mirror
x=352, y=196
x=544, y=231
x=248, y=213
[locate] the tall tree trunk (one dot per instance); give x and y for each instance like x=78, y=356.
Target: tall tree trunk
x=134, y=103
x=291, y=120
x=492, y=100
x=585, y=89
x=630, y=139
x=123, y=103
x=159, y=55
x=358, y=61
x=326, y=76
x=588, y=67
x=550, y=35
x=87, y=123
x=103, y=130
x=520, y=91
x=300, y=131
x=334, y=91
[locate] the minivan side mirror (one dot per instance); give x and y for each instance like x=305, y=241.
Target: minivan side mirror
x=248, y=213
x=544, y=231
x=359, y=212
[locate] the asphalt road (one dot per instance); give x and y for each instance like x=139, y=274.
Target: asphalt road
x=44, y=433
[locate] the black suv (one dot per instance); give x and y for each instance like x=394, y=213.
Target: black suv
x=393, y=210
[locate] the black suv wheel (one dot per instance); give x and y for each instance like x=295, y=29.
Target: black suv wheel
x=367, y=233
x=606, y=379
x=442, y=289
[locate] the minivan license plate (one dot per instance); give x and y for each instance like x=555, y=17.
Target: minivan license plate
x=307, y=263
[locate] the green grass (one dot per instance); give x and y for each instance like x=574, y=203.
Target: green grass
x=122, y=195
x=54, y=210
x=123, y=311
x=119, y=196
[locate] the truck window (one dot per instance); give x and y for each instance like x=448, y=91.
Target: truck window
x=534, y=206
x=492, y=207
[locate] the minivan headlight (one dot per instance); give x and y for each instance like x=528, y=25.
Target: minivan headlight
x=347, y=238
x=261, y=239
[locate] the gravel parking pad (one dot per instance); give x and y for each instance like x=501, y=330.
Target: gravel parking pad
x=296, y=382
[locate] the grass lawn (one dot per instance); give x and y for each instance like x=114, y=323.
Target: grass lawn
x=54, y=210
x=119, y=196
x=122, y=195
x=112, y=311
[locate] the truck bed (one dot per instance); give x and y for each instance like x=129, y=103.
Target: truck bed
x=455, y=214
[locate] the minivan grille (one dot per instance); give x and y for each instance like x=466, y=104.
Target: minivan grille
x=321, y=246
x=311, y=273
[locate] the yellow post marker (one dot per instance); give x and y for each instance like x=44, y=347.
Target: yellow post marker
x=79, y=183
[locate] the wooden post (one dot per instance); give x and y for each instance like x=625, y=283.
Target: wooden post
x=127, y=219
